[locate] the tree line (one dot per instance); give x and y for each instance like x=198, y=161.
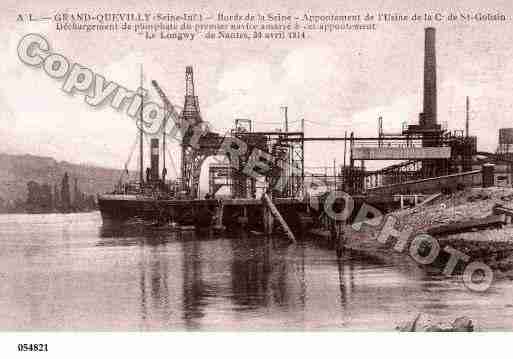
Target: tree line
x=59, y=198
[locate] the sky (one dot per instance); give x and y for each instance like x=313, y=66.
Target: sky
x=337, y=82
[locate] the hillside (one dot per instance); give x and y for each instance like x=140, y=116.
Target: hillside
x=17, y=170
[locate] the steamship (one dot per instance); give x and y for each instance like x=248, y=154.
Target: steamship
x=152, y=197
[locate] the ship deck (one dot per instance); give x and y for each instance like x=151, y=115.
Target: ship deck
x=202, y=202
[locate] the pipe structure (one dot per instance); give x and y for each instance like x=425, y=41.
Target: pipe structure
x=154, y=155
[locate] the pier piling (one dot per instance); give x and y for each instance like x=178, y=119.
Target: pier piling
x=274, y=211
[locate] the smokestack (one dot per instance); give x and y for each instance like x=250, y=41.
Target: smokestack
x=154, y=150
x=429, y=115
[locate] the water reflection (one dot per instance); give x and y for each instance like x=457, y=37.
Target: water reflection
x=346, y=270
x=152, y=265
x=195, y=289
x=68, y=272
x=142, y=286
x=251, y=271
x=257, y=275
x=262, y=272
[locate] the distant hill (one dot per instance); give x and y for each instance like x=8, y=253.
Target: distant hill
x=17, y=170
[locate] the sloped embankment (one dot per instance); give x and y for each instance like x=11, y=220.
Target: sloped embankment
x=492, y=245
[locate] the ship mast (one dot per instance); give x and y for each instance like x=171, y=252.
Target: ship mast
x=141, y=163
x=164, y=170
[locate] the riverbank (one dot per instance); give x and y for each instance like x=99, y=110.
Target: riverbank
x=493, y=246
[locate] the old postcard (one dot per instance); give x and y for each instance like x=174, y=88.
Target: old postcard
x=255, y=166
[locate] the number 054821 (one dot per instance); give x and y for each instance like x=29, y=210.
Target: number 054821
x=32, y=347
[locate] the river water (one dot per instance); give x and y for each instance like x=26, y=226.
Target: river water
x=64, y=272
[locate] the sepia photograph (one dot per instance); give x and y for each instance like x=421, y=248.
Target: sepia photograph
x=239, y=167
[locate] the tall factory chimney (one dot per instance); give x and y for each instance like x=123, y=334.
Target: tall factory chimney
x=154, y=151
x=429, y=115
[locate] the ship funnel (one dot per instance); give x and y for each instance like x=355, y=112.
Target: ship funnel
x=429, y=114
x=154, y=151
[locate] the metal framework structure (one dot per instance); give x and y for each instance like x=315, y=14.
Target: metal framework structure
x=193, y=155
x=356, y=179
x=426, y=149
x=198, y=143
x=286, y=170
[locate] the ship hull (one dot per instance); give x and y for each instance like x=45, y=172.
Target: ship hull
x=116, y=208
x=201, y=213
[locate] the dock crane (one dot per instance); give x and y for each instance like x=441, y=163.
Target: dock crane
x=181, y=126
x=197, y=141
x=168, y=106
